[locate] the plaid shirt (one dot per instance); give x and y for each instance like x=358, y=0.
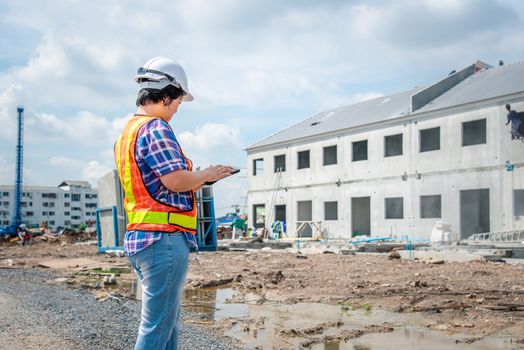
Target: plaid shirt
x=158, y=153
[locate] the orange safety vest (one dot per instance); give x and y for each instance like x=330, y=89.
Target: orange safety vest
x=143, y=211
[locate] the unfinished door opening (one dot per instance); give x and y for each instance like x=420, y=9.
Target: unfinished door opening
x=304, y=214
x=518, y=203
x=474, y=212
x=280, y=218
x=360, y=216
x=259, y=216
x=280, y=212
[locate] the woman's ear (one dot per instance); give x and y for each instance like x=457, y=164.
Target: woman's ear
x=167, y=101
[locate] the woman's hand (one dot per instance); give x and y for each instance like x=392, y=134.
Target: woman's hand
x=217, y=172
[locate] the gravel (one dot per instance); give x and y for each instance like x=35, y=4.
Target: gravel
x=35, y=314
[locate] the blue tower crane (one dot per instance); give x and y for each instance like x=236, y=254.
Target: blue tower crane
x=17, y=214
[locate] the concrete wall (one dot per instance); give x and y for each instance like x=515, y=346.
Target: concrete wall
x=443, y=172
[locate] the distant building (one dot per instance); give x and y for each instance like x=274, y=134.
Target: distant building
x=70, y=204
x=398, y=164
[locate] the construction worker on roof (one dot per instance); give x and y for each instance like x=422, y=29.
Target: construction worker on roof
x=513, y=118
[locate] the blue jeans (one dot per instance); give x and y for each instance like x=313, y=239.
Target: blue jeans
x=161, y=269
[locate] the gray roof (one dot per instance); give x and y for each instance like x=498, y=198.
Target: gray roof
x=490, y=83
x=367, y=112
x=74, y=183
x=484, y=84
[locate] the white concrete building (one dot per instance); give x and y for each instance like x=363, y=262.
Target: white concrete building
x=397, y=164
x=70, y=204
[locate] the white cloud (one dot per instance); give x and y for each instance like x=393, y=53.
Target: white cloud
x=7, y=171
x=8, y=112
x=85, y=128
x=65, y=162
x=93, y=171
x=209, y=140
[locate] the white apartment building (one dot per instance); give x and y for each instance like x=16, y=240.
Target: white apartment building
x=398, y=164
x=70, y=204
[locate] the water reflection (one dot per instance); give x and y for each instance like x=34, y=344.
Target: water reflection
x=213, y=303
x=265, y=326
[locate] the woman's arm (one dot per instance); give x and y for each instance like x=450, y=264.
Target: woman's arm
x=183, y=180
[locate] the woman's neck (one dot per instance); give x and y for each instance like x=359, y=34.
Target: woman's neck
x=152, y=110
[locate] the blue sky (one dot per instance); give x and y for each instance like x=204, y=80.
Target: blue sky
x=254, y=67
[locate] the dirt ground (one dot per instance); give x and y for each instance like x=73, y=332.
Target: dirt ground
x=473, y=298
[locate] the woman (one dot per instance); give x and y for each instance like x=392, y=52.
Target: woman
x=159, y=186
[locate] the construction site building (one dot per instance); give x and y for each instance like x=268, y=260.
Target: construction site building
x=70, y=204
x=398, y=165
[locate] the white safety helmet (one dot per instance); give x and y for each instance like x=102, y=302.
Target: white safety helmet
x=159, y=72
x=22, y=226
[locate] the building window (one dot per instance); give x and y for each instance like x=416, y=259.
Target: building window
x=303, y=159
x=280, y=163
x=75, y=217
x=518, y=202
x=44, y=213
x=76, y=208
x=23, y=204
x=67, y=222
x=430, y=139
x=304, y=210
x=75, y=197
x=52, y=222
x=66, y=213
x=51, y=213
x=67, y=204
x=90, y=195
x=66, y=195
x=360, y=150
x=330, y=155
x=330, y=210
x=48, y=195
x=474, y=132
x=430, y=207
x=5, y=194
x=259, y=215
x=393, y=145
x=258, y=167
x=91, y=205
x=29, y=213
x=395, y=208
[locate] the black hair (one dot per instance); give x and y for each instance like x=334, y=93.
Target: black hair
x=165, y=95
x=508, y=107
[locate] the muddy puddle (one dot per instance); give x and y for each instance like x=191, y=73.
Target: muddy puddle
x=326, y=327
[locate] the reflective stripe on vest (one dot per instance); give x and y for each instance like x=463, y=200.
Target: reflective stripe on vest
x=145, y=212
x=150, y=217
